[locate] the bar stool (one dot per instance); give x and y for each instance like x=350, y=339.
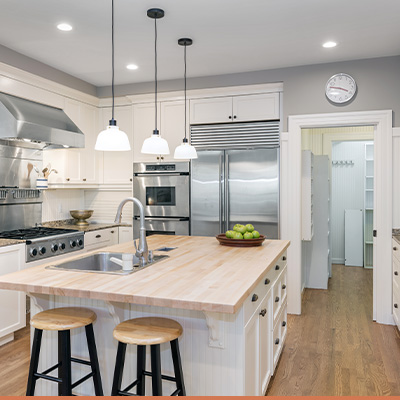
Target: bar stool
x=63, y=320
x=150, y=331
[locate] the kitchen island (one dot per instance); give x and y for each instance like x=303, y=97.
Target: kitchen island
x=230, y=301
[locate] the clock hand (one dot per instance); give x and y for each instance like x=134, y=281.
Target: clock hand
x=336, y=87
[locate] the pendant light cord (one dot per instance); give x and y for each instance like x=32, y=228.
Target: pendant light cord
x=155, y=70
x=112, y=57
x=185, y=88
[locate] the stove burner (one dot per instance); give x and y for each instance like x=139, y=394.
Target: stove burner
x=34, y=233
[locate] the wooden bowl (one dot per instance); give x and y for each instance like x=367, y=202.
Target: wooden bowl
x=81, y=216
x=222, y=239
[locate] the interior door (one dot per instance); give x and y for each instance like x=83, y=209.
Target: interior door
x=253, y=189
x=207, y=195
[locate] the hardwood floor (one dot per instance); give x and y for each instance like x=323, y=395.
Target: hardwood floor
x=334, y=347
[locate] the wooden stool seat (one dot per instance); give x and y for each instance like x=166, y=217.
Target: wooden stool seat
x=61, y=319
x=147, y=331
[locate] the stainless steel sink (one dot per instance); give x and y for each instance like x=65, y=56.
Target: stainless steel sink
x=100, y=263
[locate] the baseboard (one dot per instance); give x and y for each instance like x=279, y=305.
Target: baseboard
x=6, y=339
x=337, y=260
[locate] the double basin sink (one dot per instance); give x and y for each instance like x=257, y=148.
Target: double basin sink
x=101, y=263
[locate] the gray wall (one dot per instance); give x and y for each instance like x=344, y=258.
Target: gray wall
x=378, y=81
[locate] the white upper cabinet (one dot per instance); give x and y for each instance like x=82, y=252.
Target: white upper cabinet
x=117, y=165
x=255, y=107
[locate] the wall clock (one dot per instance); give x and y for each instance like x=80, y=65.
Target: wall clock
x=340, y=88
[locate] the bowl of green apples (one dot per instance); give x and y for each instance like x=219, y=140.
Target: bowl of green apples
x=241, y=236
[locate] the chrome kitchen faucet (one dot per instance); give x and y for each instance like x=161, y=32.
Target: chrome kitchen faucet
x=142, y=251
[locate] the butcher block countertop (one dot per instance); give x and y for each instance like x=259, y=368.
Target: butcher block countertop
x=199, y=274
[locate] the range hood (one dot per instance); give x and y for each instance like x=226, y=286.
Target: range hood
x=26, y=122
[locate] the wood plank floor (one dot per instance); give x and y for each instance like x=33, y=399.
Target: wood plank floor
x=334, y=347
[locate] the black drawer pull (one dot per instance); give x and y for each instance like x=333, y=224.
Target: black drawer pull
x=277, y=267
x=284, y=258
x=267, y=281
x=112, y=231
x=276, y=299
x=255, y=297
x=395, y=305
x=263, y=312
x=98, y=236
x=395, y=248
x=396, y=273
x=284, y=323
x=283, y=287
x=277, y=341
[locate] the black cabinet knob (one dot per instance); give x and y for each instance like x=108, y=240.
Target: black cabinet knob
x=230, y=117
x=395, y=305
x=396, y=273
x=284, y=258
x=395, y=248
x=234, y=117
x=276, y=299
x=98, y=236
x=255, y=297
x=263, y=312
x=267, y=281
x=284, y=323
x=277, y=267
x=277, y=341
x=283, y=287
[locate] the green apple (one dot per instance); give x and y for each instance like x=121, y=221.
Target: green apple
x=256, y=234
x=249, y=228
x=229, y=234
x=237, y=227
x=237, y=235
x=242, y=229
x=248, y=235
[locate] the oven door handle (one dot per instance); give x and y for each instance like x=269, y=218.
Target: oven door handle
x=150, y=174
x=136, y=218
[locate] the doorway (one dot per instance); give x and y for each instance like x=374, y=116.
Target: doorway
x=291, y=193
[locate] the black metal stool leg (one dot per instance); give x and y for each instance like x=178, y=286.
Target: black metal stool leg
x=141, y=366
x=94, y=362
x=156, y=369
x=37, y=340
x=176, y=359
x=64, y=354
x=119, y=368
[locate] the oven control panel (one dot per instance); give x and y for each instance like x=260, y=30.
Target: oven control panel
x=38, y=249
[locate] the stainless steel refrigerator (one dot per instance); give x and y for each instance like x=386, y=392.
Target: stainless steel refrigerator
x=235, y=186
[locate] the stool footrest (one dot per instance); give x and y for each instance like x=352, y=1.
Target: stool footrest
x=51, y=369
x=85, y=378
x=37, y=375
x=79, y=361
x=129, y=387
x=176, y=393
x=167, y=378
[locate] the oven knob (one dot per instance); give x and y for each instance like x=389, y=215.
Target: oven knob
x=61, y=246
x=54, y=247
x=33, y=252
x=80, y=242
x=72, y=243
x=42, y=250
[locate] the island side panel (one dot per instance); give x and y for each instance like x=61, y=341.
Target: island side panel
x=207, y=370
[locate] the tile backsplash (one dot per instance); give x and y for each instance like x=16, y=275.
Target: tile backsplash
x=57, y=203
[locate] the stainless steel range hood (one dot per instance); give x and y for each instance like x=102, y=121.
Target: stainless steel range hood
x=23, y=121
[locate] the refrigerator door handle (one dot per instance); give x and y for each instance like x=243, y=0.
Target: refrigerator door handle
x=226, y=191
x=221, y=194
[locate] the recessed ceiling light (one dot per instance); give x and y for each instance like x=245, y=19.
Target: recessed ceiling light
x=132, y=66
x=327, y=45
x=64, y=27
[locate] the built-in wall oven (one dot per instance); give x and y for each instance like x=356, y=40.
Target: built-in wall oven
x=164, y=190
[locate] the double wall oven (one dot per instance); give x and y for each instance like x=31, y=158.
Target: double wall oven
x=164, y=190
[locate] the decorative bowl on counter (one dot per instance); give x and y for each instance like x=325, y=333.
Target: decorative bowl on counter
x=81, y=216
x=222, y=239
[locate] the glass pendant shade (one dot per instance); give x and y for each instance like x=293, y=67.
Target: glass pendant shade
x=155, y=144
x=112, y=139
x=185, y=151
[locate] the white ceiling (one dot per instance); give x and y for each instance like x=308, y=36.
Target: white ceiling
x=228, y=35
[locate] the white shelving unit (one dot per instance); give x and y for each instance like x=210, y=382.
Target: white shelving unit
x=307, y=223
x=368, y=205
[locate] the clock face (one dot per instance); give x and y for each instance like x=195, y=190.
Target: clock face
x=341, y=88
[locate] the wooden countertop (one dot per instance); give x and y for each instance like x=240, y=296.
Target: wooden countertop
x=199, y=275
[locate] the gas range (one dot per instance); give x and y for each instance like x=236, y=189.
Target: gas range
x=42, y=242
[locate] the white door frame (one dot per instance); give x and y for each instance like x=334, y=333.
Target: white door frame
x=383, y=198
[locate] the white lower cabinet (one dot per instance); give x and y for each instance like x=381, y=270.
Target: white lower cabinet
x=101, y=238
x=12, y=303
x=396, y=283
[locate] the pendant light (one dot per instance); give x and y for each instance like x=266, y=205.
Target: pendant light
x=112, y=138
x=185, y=151
x=155, y=144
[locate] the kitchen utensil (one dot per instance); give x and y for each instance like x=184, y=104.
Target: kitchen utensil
x=44, y=171
x=47, y=174
x=81, y=216
x=222, y=239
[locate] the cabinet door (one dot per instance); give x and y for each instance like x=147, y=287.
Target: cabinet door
x=58, y=159
x=101, y=238
x=117, y=165
x=265, y=342
x=252, y=363
x=256, y=107
x=12, y=303
x=173, y=125
x=211, y=110
x=143, y=127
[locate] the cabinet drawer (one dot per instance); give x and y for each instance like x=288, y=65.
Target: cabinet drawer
x=396, y=271
x=396, y=250
x=396, y=304
x=279, y=334
x=100, y=238
x=279, y=294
